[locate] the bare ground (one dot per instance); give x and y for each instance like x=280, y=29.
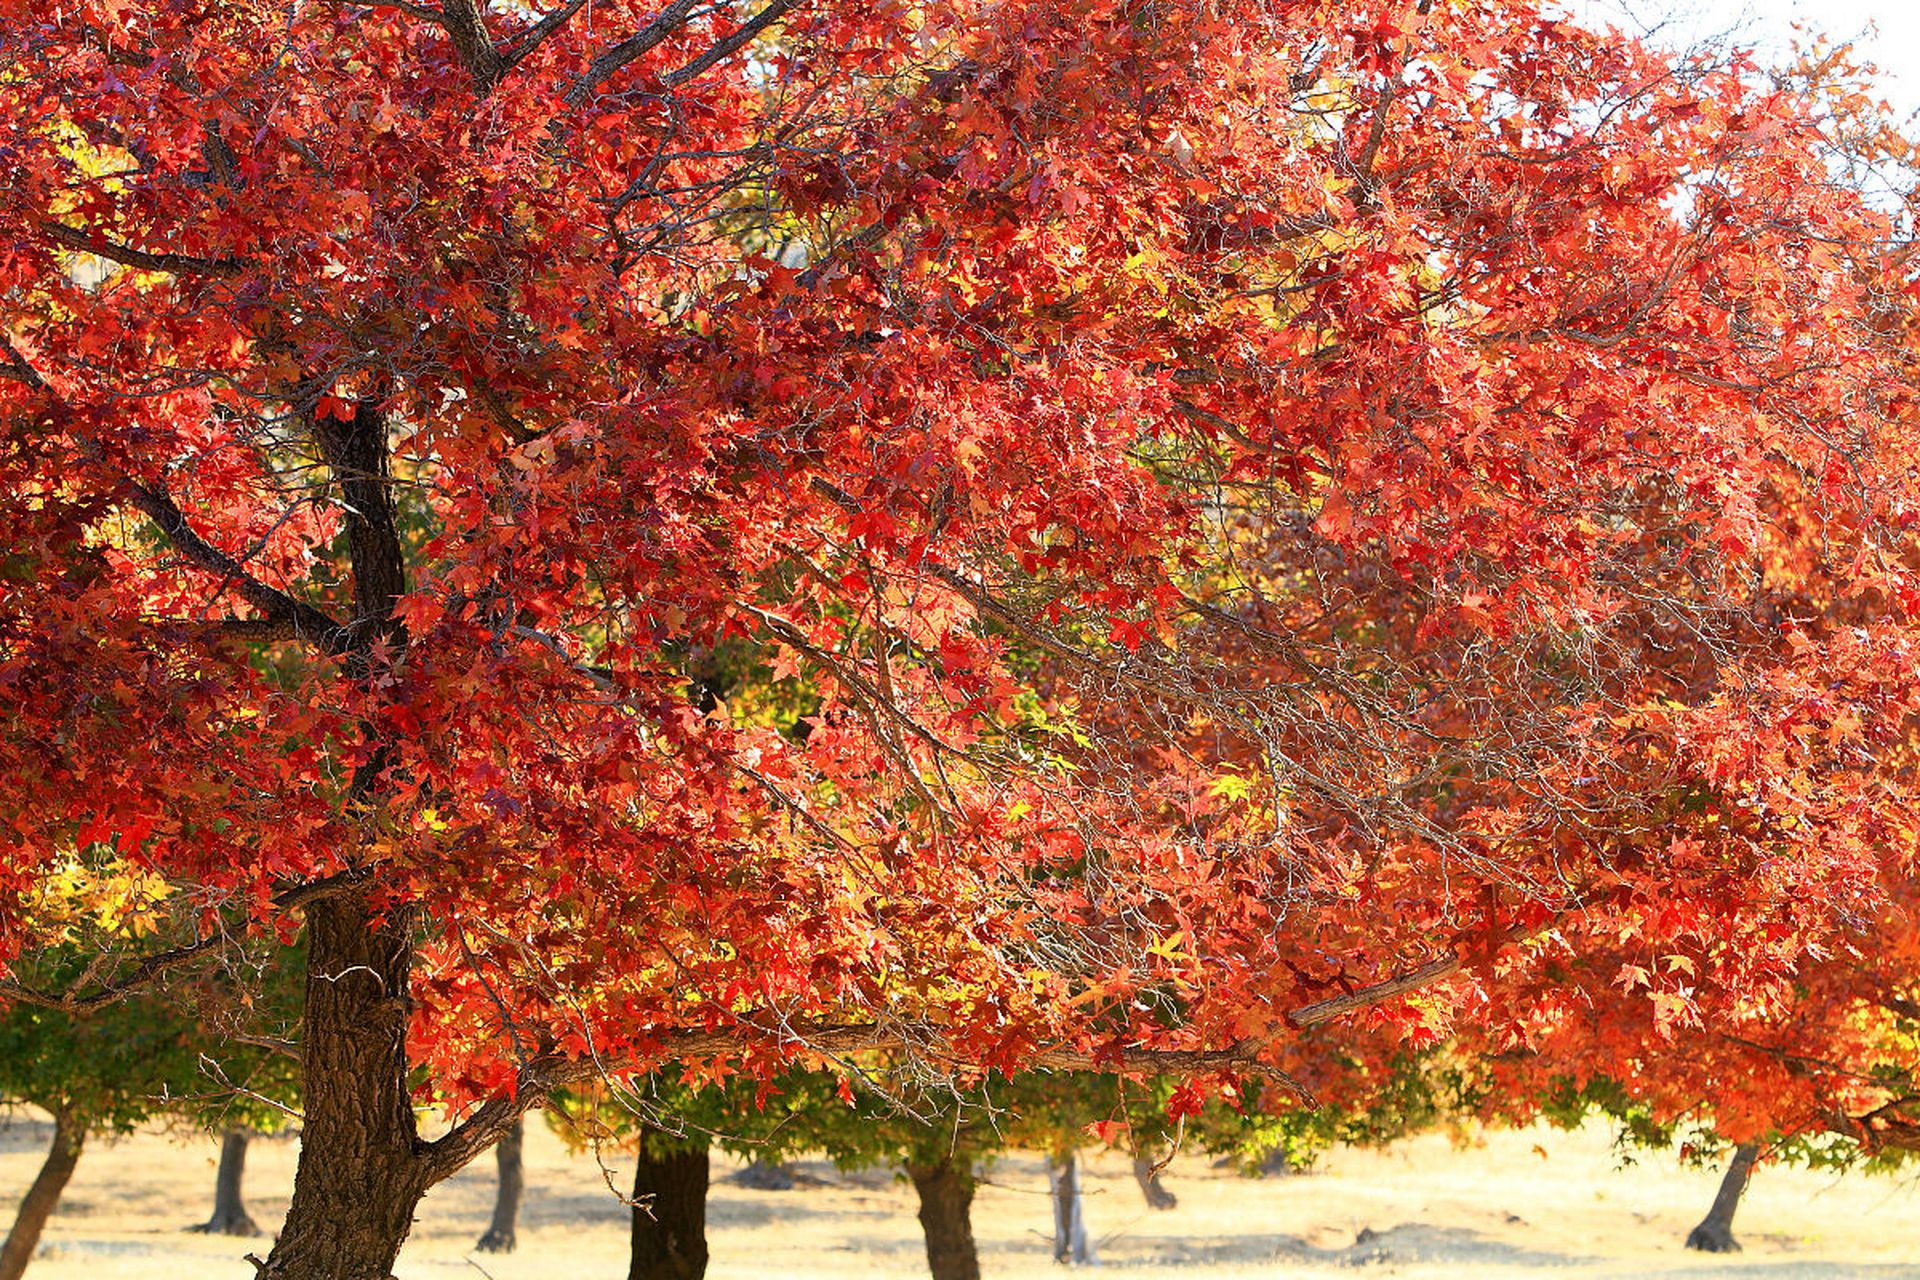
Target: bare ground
x=1534, y=1203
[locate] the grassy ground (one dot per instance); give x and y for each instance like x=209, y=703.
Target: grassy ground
x=1535, y=1203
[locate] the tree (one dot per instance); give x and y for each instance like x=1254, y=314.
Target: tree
x=1147, y=1174
x=1715, y=1232
x=1071, y=1244
x=862, y=1114
x=101, y=1072
x=247, y=1013
x=945, y=1186
x=1256, y=512
x=230, y=1216
x=502, y=1233
x=669, y=1206
x=43, y=1196
x=872, y=1114
x=668, y=1127
x=944, y=1136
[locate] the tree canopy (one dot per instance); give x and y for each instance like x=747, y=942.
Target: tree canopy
x=1257, y=533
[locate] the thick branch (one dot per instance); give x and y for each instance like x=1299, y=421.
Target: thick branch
x=404, y=6
x=1327, y=1010
x=356, y=451
x=466, y=24
x=536, y=35
x=179, y=264
x=670, y=20
x=250, y=629
x=281, y=609
x=293, y=896
x=123, y=985
x=726, y=48
x=600, y=677
x=540, y=1076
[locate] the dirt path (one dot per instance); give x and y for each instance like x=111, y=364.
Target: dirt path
x=1500, y=1209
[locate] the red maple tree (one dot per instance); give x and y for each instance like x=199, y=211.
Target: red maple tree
x=1108, y=534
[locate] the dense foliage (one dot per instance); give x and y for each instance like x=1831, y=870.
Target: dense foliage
x=1235, y=514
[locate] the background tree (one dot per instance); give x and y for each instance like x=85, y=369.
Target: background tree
x=665, y=1125
x=230, y=1216
x=941, y=1137
x=109, y=1069
x=246, y=1025
x=502, y=1233
x=1715, y=1232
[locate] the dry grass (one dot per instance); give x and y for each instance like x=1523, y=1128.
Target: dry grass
x=1502, y=1208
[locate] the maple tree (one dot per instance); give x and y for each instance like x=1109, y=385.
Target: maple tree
x=1814, y=1061
x=1236, y=514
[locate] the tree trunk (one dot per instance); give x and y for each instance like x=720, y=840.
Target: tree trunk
x=1158, y=1197
x=946, y=1218
x=669, y=1215
x=363, y=1166
x=230, y=1216
x=1715, y=1232
x=1070, y=1242
x=360, y=1173
x=43, y=1195
x=500, y=1236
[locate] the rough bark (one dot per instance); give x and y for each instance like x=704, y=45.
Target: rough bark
x=362, y=1166
x=230, y=1216
x=946, y=1218
x=359, y=1176
x=62, y=1155
x=1715, y=1232
x=501, y=1235
x=1071, y=1244
x=669, y=1215
x=357, y=453
x=1158, y=1197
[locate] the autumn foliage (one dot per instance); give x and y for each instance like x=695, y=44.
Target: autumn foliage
x=1209, y=536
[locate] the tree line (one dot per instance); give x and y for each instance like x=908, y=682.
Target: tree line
x=187, y=1059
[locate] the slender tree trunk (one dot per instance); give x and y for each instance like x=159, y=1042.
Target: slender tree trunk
x=1715, y=1232
x=1158, y=1197
x=360, y=1175
x=43, y=1195
x=670, y=1215
x=1070, y=1242
x=501, y=1236
x=946, y=1218
x=230, y=1216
